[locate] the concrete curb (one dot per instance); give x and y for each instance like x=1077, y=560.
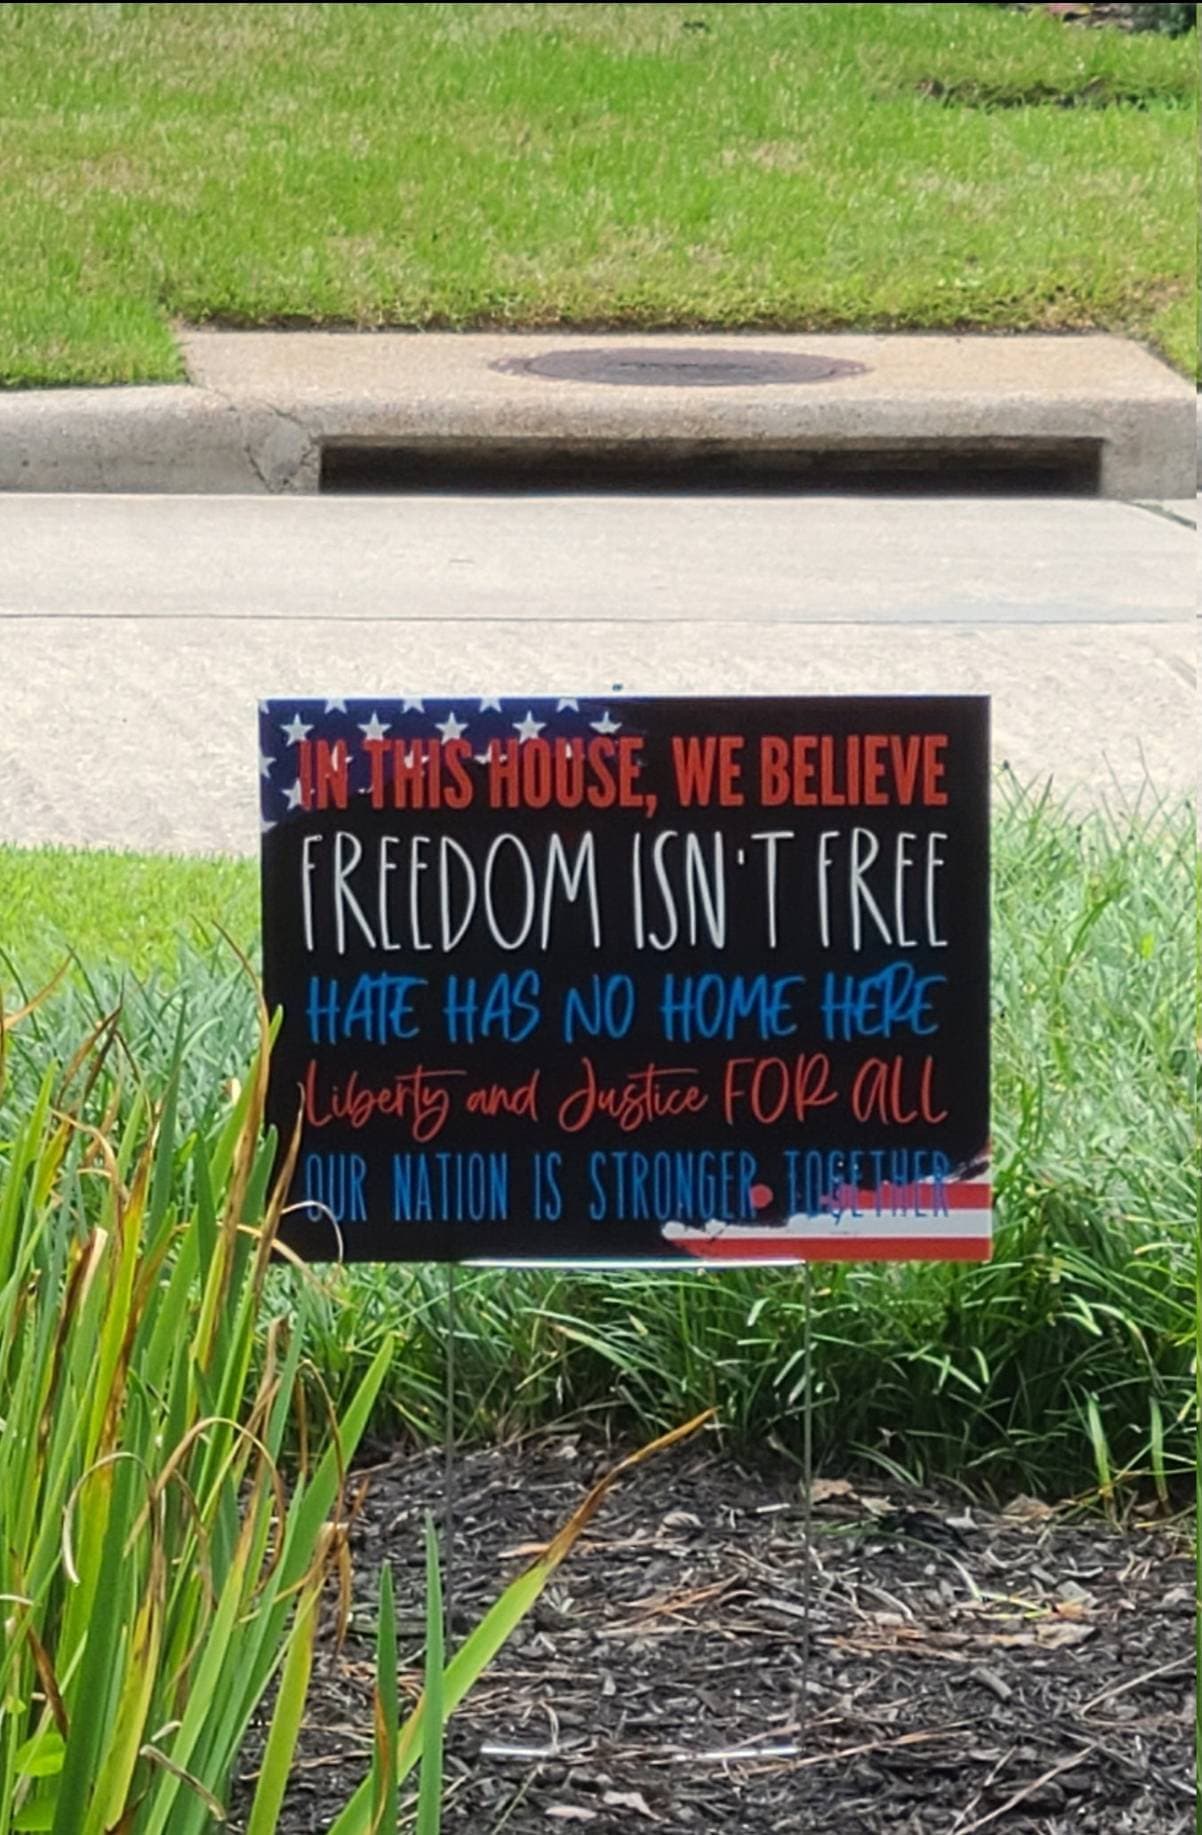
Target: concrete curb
x=170, y=439
x=262, y=404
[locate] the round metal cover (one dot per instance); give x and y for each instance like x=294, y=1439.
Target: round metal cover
x=681, y=367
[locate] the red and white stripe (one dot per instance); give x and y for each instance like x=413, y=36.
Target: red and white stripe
x=880, y=1233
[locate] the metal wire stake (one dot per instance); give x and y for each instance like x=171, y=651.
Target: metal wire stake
x=448, y=1469
x=807, y=1479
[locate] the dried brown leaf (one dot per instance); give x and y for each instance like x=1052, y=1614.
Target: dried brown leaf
x=823, y=1489
x=630, y=1800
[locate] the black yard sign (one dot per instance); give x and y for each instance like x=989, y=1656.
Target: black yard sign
x=630, y=981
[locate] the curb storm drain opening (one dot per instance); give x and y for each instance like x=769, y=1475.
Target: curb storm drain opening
x=1002, y=467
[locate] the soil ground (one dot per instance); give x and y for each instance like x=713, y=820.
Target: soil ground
x=968, y=1668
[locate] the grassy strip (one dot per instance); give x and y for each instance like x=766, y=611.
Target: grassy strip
x=802, y=166
x=135, y=912
x=1066, y=1361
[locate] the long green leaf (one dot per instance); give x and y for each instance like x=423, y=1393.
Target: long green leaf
x=286, y=1718
x=102, y=1656
x=384, y=1791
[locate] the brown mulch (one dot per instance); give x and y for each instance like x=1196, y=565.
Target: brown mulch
x=968, y=1669
x=1120, y=16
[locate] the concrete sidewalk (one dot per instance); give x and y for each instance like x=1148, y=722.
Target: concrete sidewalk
x=137, y=635
x=630, y=559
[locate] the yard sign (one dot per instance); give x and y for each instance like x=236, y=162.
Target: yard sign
x=630, y=981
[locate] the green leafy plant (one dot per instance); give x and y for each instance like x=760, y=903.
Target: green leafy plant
x=159, y=1574
x=170, y=1521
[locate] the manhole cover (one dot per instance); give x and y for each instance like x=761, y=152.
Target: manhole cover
x=646, y=367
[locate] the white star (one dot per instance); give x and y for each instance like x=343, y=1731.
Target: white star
x=605, y=724
x=482, y=758
x=335, y=707
x=562, y=706
x=490, y=706
x=413, y=707
x=296, y=730
x=375, y=728
x=450, y=728
x=265, y=765
x=264, y=825
x=264, y=707
x=295, y=796
x=529, y=728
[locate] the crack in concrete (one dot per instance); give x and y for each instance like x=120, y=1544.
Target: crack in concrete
x=771, y=620
x=244, y=440
x=247, y=444
x=281, y=480
x=1163, y=511
x=1181, y=670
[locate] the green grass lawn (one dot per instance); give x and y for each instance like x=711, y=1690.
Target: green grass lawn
x=117, y=912
x=761, y=165
x=1066, y=1359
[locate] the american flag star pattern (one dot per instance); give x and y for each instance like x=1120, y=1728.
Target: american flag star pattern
x=283, y=724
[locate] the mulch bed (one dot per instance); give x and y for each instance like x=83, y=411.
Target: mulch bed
x=968, y=1669
x=1121, y=16
x=1124, y=17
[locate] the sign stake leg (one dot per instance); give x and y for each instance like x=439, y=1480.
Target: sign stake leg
x=807, y=1479
x=448, y=1467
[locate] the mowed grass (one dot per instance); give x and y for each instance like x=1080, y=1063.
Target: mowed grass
x=455, y=165
x=1064, y=1364
x=119, y=913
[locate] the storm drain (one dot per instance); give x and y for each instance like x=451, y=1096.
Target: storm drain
x=997, y=466
x=714, y=458
x=680, y=367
